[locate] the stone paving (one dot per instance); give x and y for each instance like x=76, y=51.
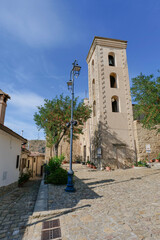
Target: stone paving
x=15, y=209
x=123, y=204
x=119, y=205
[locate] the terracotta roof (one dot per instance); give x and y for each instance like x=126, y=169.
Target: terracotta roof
x=14, y=134
x=3, y=93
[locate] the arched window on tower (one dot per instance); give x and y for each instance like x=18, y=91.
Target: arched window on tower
x=113, y=80
x=94, y=108
x=92, y=64
x=111, y=59
x=93, y=87
x=115, y=104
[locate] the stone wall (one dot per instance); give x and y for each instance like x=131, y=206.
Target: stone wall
x=144, y=136
x=9, y=188
x=64, y=148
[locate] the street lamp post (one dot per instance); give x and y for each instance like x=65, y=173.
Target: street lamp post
x=74, y=72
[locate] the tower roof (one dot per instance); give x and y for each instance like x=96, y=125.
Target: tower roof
x=106, y=42
x=3, y=93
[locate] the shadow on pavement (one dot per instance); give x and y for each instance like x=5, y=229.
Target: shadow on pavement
x=15, y=209
x=59, y=199
x=56, y=215
x=127, y=180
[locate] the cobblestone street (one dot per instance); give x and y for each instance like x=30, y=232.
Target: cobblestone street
x=15, y=209
x=120, y=205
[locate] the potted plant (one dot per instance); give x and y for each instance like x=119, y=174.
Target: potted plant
x=88, y=163
x=94, y=167
x=91, y=165
x=108, y=168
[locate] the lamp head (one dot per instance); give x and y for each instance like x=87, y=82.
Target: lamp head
x=69, y=83
x=76, y=68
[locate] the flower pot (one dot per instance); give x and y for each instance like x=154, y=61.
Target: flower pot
x=94, y=167
x=108, y=168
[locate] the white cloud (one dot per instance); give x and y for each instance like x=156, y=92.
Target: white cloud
x=20, y=112
x=35, y=22
x=30, y=130
x=25, y=102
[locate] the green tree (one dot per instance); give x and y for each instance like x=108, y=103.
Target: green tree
x=54, y=116
x=146, y=94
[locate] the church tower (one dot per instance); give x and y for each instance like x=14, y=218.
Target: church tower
x=111, y=124
x=3, y=104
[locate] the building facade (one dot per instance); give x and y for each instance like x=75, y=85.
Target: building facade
x=111, y=124
x=10, y=150
x=110, y=137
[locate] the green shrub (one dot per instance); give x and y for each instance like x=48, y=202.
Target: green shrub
x=54, y=164
x=59, y=176
x=23, y=178
x=141, y=163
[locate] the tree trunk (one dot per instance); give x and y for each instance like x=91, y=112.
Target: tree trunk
x=51, y=152
x=56, y=150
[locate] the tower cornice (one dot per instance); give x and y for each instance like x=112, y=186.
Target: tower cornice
x=105, y=42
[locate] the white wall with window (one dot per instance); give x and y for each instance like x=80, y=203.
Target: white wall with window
x=10, y=151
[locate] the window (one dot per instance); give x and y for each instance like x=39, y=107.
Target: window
x=93, y=86
x=94, y=108
x=114, y=101
x=111, y=59
x=92, y=65
x=113, y=80
x=17, y=162
x=28, y=163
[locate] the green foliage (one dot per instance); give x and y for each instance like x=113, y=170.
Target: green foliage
x=24, y=177
x=59, y=176
x=54, y=164
x=141, y=164
x=54, y=173
x=55, y=114
x=146, y=94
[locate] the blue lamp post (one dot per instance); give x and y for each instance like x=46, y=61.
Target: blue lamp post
x=74, y=72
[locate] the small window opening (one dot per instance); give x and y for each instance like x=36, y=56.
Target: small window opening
x=114, y=101
x=113, y=82
x=17, y=162
x=94, y=108
x=111, y=60
x=93, y=62
x=93, y=86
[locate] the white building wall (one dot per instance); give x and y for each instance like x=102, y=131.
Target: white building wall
x=10, y=147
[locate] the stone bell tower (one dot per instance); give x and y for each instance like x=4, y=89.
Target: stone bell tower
x=3, y=104
x=111, y=124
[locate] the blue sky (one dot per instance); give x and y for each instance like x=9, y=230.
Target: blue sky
x=39, y=40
